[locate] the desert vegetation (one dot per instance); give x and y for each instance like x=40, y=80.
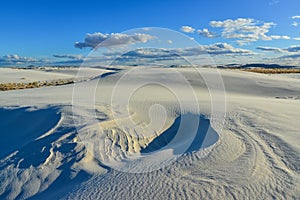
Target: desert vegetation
x=35, y=84
x=273, y=70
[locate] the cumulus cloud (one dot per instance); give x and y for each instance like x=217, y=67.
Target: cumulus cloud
x=246, y=30
x=295, y=48
x=295, y=24
x=224, y=48
x=15, y=59
x=291, y=49
x=113, y=39
x=206, y=33
x=296, y=17
x=277, y=37
x=173, y=56
x=289, y=53
x=213, y=49
x=176, y=55
x=151, y=53
x=187, y=29
x=270, y=49
x=69, y=56
x=18, y=58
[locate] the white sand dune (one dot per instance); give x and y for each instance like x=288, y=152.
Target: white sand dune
x=255, y=156
x=12, y=75
x=15, y=75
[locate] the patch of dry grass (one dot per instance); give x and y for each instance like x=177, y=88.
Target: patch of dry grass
x=36, y=84
x=273, y=70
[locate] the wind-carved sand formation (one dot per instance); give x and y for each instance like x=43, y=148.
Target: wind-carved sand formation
x=44, y=155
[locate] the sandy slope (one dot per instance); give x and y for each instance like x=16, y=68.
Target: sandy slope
x=15, y=75
x=255, y=156
x=11, y=75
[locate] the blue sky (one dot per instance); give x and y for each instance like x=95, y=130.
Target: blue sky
x=37, y=30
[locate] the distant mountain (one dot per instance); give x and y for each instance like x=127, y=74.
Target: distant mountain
x=260, y=65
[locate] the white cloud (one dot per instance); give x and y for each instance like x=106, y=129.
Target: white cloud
x=291, y=49
x=246, y=30
x=295, y=24
x=277, y=37
x=298, y=38
x=147, y=28
x=224, y=48
x=15, y=59
x=294, y=48
x=187, y=29
x=170, y=41
x=69, y=56
x=206, y=33
x=296, y=17
x=273, y=2
x=270, y=49
x=152, y=56
x=292, y=53
x=213, y=49
x=113, y=39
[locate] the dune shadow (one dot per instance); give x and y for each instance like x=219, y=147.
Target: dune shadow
x=104, y=75
x=20, y=130
x=21, y=126
x=204, y=137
